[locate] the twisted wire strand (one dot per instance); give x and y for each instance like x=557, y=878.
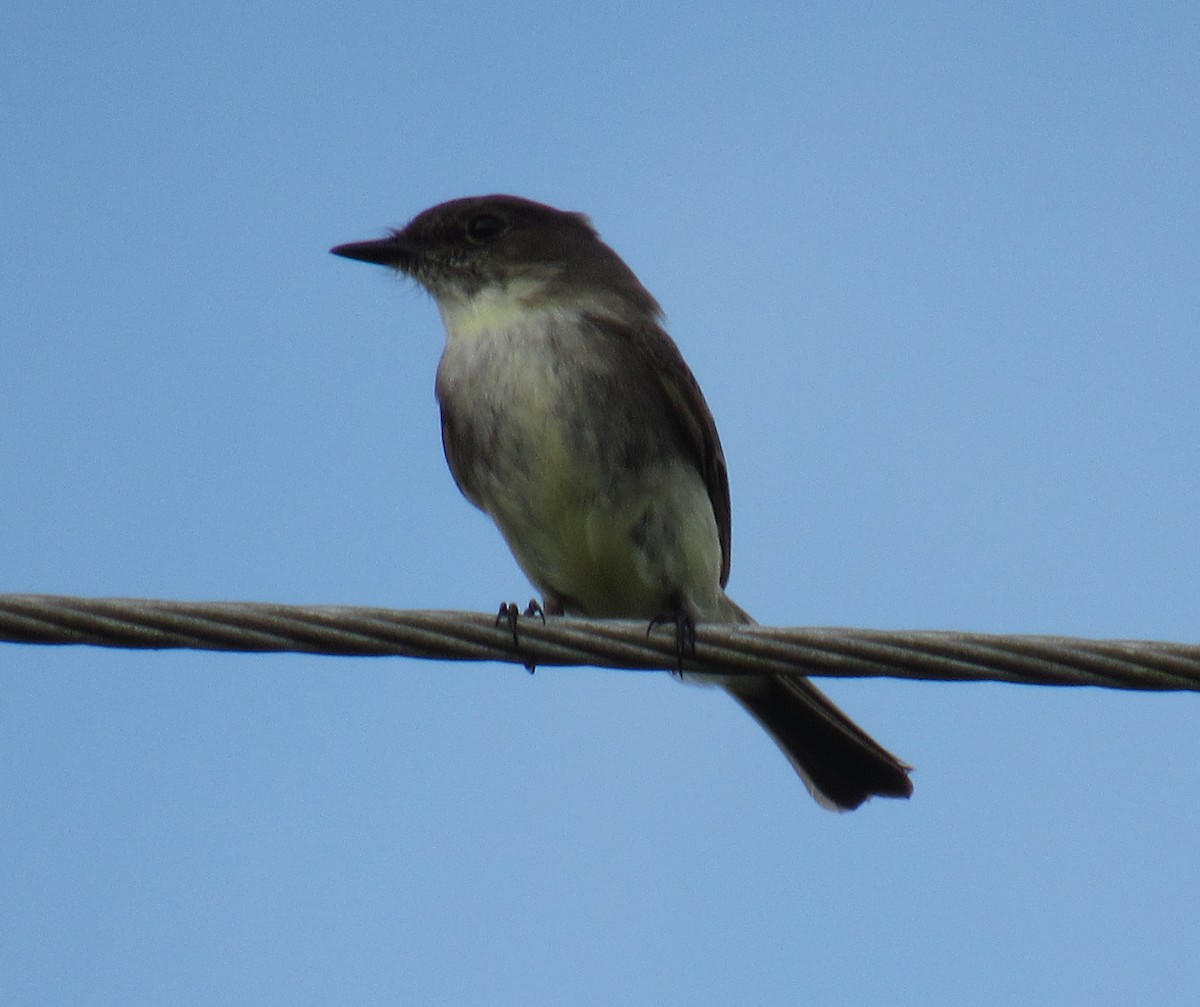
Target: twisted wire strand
x=469, y=636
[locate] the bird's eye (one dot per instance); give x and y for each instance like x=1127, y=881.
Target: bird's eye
x=485, y=226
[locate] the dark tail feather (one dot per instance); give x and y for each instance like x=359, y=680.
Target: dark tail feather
x=838, y=761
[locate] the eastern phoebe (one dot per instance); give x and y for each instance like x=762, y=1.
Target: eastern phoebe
x=570, y=417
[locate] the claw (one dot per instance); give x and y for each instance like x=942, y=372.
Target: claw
x=509, y=614
x=533, y=608
x=685, y=633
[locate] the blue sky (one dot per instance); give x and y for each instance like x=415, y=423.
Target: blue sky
x=935, y=267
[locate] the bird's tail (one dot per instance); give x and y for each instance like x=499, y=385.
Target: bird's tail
x=840, y=763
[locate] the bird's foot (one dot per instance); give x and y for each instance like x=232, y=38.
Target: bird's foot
x=509, y=614
x=685, y=634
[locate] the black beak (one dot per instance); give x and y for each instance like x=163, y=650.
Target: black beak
x=391, y=251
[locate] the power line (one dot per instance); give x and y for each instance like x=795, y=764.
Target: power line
x=468, y=636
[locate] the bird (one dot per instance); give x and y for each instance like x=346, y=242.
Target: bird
x=570, y=417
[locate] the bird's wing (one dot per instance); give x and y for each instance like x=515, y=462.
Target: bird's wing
x=661, y=357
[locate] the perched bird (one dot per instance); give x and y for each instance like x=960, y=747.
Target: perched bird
x=570, y=417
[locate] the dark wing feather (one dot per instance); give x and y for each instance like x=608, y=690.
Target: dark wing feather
x=661, y=357
x=461, y=458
